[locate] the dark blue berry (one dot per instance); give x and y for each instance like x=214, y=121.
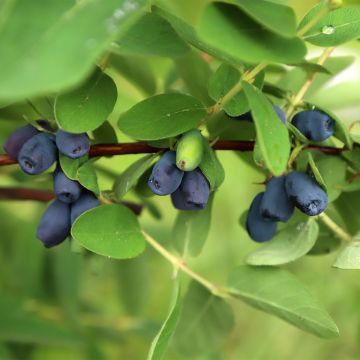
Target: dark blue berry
x=275, y=204
x=258, y=228
x=54, y=225
x=193, y=193
x=37, y=154
x=165, y=177
x=72, y=145
x=305, y=193
x=65, y=189
x=17, y=139
x=314, y=124
x=86, y=201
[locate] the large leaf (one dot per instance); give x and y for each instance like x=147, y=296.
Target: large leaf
x=236, y=31
x=280, y=293
x=151, y=35
x=191, y=229
x=288, y=245
x=48, y=46
x=275, y=17
x=161, y=341
x=87, y=177
x=162, y=116
x=205, y=322
x=88, y=106
x=110, y=230
x=131, y=175
x=335, y=28
x=349, y=257
x=271, y=134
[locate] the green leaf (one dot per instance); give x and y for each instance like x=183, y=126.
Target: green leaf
x=236, y=31
x=70, y=38
x=349, y=186
x=191, y=229
x=335, y=28
x=288, y=245
x=150, y=35
x=87, y=177
x=136, y=70
x=316, y=11
x=349, y=257
x=316, y=172
x=110, y=230
x=275, y=17
x=333, y=171
x=355, y=131
x=71, y=166
x=224, y=79
x=160, y=343
x=88, y=106
x=105, y=134
x=211, y=167
x=310, y=67
x=297, y=133
x=280, y=293
x=162, y=116
x=205, y=322
x=271, y=134
x=19, y=324
x=129, y=178
x=196, y=74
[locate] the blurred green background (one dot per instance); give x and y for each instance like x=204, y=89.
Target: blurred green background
x=57, y=304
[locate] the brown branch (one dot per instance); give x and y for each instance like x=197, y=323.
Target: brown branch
x=142, y=148
x=15, y=193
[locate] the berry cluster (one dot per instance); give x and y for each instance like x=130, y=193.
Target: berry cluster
x=296, y=189
x=177, y=173
x=36, y=151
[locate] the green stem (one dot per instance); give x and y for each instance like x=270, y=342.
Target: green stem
x=338, y=230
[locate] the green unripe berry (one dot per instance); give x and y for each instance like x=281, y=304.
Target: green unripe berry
x=189, y=151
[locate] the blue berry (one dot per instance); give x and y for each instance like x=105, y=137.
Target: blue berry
x=86, y=201
x=305, y=193
x=314, y=124
x=275, y=204
x=54, y=225
x=37, y=154
x=66, y=190
x=72, y=145
x=258, y=228
x=193, y=193
x=18, y=138
x=165, y=177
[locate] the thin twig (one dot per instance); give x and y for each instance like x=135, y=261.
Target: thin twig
x=339, y=231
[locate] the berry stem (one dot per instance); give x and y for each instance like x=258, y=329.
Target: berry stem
x=180, y=264
x=338, y=230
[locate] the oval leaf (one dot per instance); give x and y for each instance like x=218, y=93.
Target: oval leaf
x=162, y=116
x=88, y=106
x=110, y=230
x=288, y=245
x=271, y=134
x=349, y=257
x=280, y=293
x=87, y=177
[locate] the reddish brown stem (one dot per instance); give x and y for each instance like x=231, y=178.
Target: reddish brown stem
x=142, y=148
x=15, y=193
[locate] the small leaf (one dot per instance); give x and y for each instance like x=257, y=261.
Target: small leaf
x=110, y=230
x=205, y=322
x=349, y=257
x=349, y=186
x=105, y=134
x=297, y=133
x=150, y=35
x=88, y=106
x=310, y=67
x=70, y=166
x=280, y=293
x=271, y=134
x=162, y=116
x=355, y=131
x=316, y=172
x=191, y=229
x=211, y=167
x=335, y=28
x=131, y=175
x=87, y=177
x=288, y=245
x=224, y=79
x=160, y=343
x=236, y=31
